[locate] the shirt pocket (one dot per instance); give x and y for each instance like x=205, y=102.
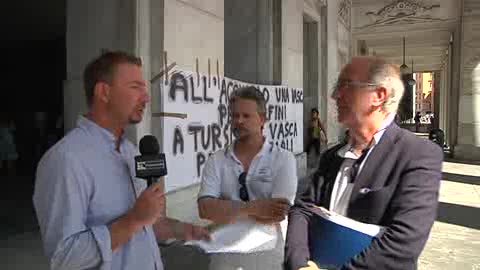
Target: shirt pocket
x=374, y=197
x=261, y=186
x=372, y=205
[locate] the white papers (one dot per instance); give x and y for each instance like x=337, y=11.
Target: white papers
x=241, y=237
x=369, y=229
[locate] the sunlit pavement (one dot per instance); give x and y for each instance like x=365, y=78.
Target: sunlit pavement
x=454, y=242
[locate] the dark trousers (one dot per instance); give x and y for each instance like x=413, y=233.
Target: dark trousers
x=315, y=143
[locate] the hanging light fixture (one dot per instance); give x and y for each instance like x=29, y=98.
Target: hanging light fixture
x=403, y=67
x=412, y=81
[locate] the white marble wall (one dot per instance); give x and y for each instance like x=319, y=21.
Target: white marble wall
x=292, y=43
x=194, y=29
x=191, y=29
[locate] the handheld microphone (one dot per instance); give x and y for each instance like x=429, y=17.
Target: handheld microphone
x=150, y=165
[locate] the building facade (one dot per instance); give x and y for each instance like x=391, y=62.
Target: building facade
x=297, y=43
x=442, y=36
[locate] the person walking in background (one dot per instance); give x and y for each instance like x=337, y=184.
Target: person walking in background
x=317, y=133
x=417, y=118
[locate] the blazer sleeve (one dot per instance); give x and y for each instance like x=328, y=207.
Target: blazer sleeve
x=413, y=209
x=297, y=252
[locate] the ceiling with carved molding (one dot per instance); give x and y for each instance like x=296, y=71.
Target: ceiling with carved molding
x=426, y=25
x=471, y=4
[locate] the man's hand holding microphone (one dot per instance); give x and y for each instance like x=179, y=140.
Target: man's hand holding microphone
x=149, y=209
x=149, y=206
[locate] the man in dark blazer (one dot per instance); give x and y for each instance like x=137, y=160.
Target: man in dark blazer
x=383, y=175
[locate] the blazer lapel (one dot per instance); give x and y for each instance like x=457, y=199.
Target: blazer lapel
x=375, y=160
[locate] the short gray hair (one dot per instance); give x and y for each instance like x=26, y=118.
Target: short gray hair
x=250, y=93
x=387, y=75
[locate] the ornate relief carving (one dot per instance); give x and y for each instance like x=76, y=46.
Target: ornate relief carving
x=402, y=12
x=344, y=12
x=322, y=3
x=314, y=6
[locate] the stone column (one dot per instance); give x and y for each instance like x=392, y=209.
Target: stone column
x=454, y=84
x=442, y=112
x=323, y=64
x=332, y=68
x=250, y=40
x=437, y=77
x=468, y=134
x=450, y=133
x=142, y=49
x=93, y=26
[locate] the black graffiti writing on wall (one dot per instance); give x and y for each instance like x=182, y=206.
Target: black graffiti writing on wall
x=194, y=128
x=227, y=135
x=297, y=96
x=282, y=95
x=185, y=85
x=225, y=92
x=201, y=159
x=178, y=140
x=208, y=137
x=281, y=130
x=195, y=99
x=179, y=83
x=223, y=115
x=216, y=133
x=266, y=94
x=276, y=112
x=206, y=99
x=286, y=144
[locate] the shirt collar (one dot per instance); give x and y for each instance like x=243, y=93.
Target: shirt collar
x=345, y=151
x=266, y=147
x=385, y=124
x=94, y=129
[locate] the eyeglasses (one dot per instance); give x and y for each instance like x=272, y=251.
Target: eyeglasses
x=243, y=189
x=349, y=83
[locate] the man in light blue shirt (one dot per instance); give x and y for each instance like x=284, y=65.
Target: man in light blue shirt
x=93, y=213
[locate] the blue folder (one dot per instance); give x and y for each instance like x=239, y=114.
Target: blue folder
x=335, y=239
